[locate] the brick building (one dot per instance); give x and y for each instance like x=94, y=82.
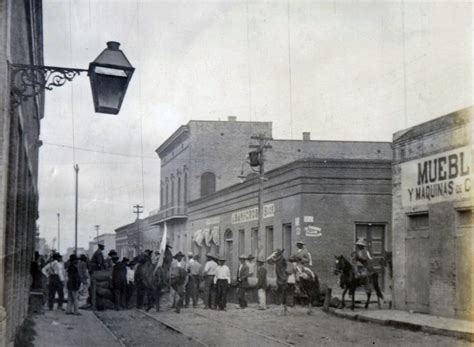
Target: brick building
x=325, y=192
x=21, y=41
x=432, y=216
x=130, y=238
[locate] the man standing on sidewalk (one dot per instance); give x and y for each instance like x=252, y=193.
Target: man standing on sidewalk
x=243, y=281
x=73, y=285
x=261, y=284
x=209, y=290
x=194, y=271
x=55, y=274
x=222, y=281
x=119, y=282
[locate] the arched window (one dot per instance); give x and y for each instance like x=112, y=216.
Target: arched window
x=208, y=183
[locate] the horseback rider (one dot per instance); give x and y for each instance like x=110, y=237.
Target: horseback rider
x=362, y=260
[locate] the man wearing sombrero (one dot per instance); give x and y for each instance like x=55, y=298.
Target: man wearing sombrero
x=363, y=259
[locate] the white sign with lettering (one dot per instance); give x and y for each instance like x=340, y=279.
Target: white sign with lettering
x=437, y=178
x=252, y=214
x=308, y=219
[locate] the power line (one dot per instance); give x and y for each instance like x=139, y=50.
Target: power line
x=97, y=151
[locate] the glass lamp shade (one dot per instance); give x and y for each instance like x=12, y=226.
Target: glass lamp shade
x=110, y=73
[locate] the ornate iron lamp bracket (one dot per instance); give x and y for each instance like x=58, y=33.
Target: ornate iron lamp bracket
x=30, y=80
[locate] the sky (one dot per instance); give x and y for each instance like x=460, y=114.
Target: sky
x=343, y=70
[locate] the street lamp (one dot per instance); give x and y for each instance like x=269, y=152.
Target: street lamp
x=109, y=73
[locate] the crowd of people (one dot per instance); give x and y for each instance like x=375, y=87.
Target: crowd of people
x=212, y=279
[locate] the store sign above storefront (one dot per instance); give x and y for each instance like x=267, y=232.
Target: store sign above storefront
x=437, y=178
x=251, y=214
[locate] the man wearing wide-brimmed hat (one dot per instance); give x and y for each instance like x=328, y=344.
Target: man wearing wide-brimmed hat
x=303, y=253
x=243, y=274
x=363, y=259
x=97, y=261
x=209, y=272
x=222, y=281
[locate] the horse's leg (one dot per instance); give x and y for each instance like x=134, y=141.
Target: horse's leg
x=343, y=302
x=157, y=295
x=308, y=289
x=369, y=293
x=352, y=292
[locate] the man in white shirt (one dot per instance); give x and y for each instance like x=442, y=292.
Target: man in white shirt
x=209, y=272
x=303, y=253
x=222, y=281
x=54, y=271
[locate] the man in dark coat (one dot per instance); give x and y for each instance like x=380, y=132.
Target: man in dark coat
x=119, y=282
x=97, y=261
x=243, y=281
x=178, y=280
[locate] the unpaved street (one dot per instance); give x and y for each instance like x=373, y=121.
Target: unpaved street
x=251, y=327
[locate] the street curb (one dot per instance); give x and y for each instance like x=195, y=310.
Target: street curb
x=465, y=335
x=108, y=330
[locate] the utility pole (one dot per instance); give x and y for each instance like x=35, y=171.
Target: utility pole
x=137, y=210
x=76, y=169
x=257, y=158
x=59, y=232
x=97, y=227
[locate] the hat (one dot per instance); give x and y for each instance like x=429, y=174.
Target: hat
x=101, y=245
x=300, y=242
x=221, y=259
x=148, y=251
x=278, y=251
x=112, y=252
x=72, y=257
x=250, y=256
x=179, y=254
x=190, y=254
x=243, y=256
x=260, y=260
x=83, y=257
x=56, y=256
x=361, y=242
x=125, y=259
x=212, y=256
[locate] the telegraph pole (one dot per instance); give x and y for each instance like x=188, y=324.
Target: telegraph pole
x=76, y=169
x=59, y=231
x=137, y=210
x=257, y=158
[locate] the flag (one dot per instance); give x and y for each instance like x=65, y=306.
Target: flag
x=162, y=247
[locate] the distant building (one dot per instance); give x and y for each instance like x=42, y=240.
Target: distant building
x=433, y=239
x=21, y=42
x=128, y=241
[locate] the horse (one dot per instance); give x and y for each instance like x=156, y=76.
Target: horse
x=307, y=282
x=152, y=280
x=349, y=281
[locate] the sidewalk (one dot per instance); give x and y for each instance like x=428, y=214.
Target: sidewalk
x=55, y=328
x=413, y=321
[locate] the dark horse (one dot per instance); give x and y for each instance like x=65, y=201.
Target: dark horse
x=348, y=281
x=152, y=280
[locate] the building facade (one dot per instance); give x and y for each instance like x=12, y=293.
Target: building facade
x=131, y=238
x=326, y=203
x=432, y=216
x=21, y=42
